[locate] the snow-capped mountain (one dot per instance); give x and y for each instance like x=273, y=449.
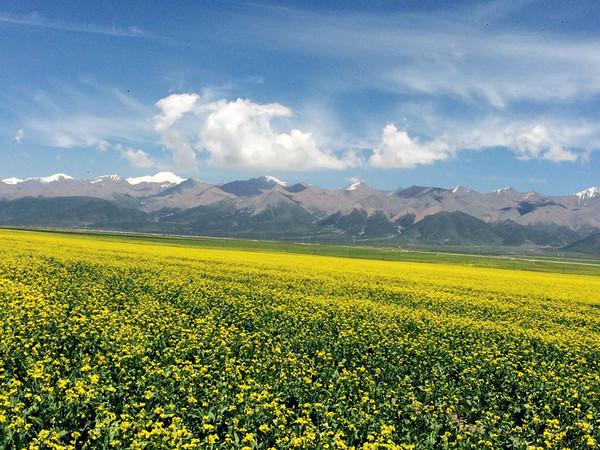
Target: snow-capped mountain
x=588, y=194
x=502, y=190
x=165, y=178
x=54, y=178
x=271, y=179
x=107, y=179
x=165, y=202
x=106, y=186
x=12, y=180
x=45, y=180
x=461, y=190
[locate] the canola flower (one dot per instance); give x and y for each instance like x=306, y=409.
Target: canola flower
x=123, y=345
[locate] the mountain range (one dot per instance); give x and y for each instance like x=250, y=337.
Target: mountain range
x=267, y=208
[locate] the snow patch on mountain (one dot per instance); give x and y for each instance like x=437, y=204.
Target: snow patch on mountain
x=104, y=178
x=12, y=180
x=166, y=178
x=271, y=179
x=461, y=190
x=51, y=178
x=592, y=192
x=353, y=186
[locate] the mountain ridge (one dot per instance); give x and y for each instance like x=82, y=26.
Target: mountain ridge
x=266, y=207
x=166, y=177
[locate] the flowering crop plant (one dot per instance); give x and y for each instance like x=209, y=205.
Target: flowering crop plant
x=116, y=344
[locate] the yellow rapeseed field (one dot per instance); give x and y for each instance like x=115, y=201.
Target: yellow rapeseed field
x=122, y=345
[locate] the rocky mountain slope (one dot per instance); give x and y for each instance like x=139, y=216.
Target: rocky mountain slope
x=271, y=209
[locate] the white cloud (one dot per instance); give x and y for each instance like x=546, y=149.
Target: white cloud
x=184, y=157
x=19, y=135
x=173, y=108
x=138, y=158
x=538, y=143
x=102, y=146
x=239, y=135
x=546, y=137
x=398, y=150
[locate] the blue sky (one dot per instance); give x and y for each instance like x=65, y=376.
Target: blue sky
x=480, y=94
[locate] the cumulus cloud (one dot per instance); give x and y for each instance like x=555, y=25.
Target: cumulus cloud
x=547, y=138
x=184, y=157
x=173, y=108
x=237, y=135
x=137, y=158
x=174, y=138
x=19, y=135
x=398, y=150
x=538, y=143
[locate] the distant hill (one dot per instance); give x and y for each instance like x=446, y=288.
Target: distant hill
x=268, y=208
x=453, y=228
x=65, y=212
x=589, y=245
